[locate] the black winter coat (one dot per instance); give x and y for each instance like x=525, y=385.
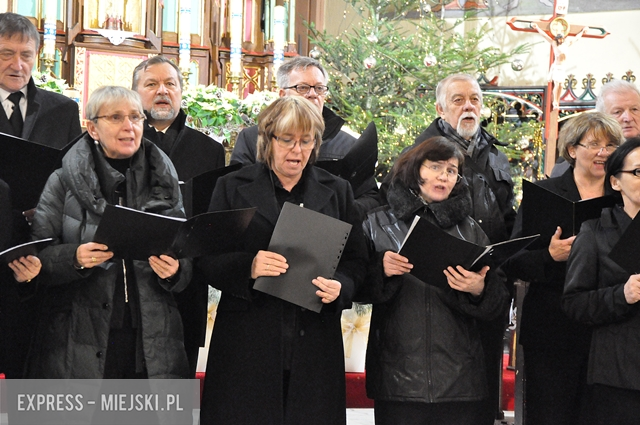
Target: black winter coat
x=244, y=379
x=594, y=295
x=71, y=338
x=424, y=345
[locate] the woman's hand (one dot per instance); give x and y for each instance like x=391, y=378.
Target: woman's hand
x=267, y=263
x=632, y=289
x=395, y=264
x=560, y=248
x=329, y=289
x=164, y=266
x=465, y=281
x=25, y=268
x=91, y=254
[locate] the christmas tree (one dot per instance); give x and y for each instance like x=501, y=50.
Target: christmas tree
x=385, y=68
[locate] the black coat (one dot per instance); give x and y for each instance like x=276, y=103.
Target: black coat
x=244, y=377
x=74, y=324
x=594, y=295
x=542, y=322
x=51, y=119
x=424, y=344
x=192, y=152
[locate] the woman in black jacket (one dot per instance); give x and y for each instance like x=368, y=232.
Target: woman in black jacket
x=425, y=363
x=555, y=348
x=601, y=294
x=271, y=362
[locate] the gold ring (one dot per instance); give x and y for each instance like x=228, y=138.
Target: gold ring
x=93, y=259
x=268, y=265
x=28, y=280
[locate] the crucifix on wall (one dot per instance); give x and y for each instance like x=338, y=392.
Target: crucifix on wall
x=561, y=35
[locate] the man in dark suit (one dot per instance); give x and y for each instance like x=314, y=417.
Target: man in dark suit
x=159, y=83
x=40, y=116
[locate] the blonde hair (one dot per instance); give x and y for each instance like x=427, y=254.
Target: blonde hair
x=287, y=114
x=602, y=126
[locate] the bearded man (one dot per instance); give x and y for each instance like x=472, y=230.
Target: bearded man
x=159, y=83
x=487, y=172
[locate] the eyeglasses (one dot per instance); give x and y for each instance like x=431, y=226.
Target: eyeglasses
x=438, y=169
x=594, y=147
x=304, y=89
x=635, y=172
x=119, y=118
x=305, y=145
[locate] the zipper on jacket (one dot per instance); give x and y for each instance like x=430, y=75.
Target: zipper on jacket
x=124, y=266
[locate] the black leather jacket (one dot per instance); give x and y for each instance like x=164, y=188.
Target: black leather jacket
x=423, y=342
x=594, y=295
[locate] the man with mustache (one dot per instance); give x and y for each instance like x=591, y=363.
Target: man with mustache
x=159, y=83
x=487, y=172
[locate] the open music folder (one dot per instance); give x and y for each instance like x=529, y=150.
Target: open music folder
x=137, y=235
x=312, y=243
x=359, y=164
x=197, y=191
x=23, y=250
x=543, y=211
x=431, y=250
x=26, y=166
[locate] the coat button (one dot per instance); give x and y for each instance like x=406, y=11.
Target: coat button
x=105, y=305
x=99, y=354
x=302, y=332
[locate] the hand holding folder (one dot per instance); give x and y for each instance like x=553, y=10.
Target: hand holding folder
x=23, y=250
x=137, y=235
x=431, y=250
x=543, y=211
x=312, y=244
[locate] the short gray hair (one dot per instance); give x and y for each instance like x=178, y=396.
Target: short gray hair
x=107, y=95
x=299, y=62
x=13, y=24
x=443, y=85
x=615, y=86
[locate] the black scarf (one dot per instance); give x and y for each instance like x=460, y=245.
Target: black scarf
x=406, y=204
x=469, y=147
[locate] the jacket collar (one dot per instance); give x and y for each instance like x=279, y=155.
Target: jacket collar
x=257, y=189
x=447, y=213
x=332, y=123
x=32, y=109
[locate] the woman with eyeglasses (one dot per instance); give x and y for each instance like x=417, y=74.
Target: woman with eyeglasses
x=104, y=317
x=600, y=294
x=272, y=362
x=425, y=363
x=555, y=347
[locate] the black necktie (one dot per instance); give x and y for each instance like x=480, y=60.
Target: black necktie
x=16, y=116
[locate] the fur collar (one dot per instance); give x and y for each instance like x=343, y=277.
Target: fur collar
x=447, y=213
